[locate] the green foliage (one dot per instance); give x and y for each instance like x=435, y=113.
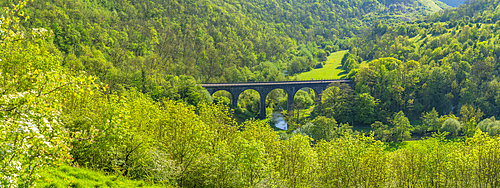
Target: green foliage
x=450, y=57
x=365, y=108
x=452, y=126
x=222, y=97
x=66, y=176
x=183, y=148
x=129, y=44
x=111, y=132
x=154, y=55
x=349, y=62
x=179, y=88
x=381, y=131
x=323, y=128
x=248, y=104
x=297, y=162
x=431, y=120
x=468, y=113
x=446, y=117
x=400, y=127
x=469, y=128
x=253, y=171
x=336, y=102
x=490, y=126
x=421, y=164
x=430, y=162
x=277, y=99
x=50, y=115
x=386, y=79
x=302, y=100
x=351, y=161
x=33, y=89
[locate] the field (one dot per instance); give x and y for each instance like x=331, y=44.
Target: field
x=331, y=70
x=66, y=176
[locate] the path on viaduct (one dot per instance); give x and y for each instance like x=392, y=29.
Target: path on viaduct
x=263, y=88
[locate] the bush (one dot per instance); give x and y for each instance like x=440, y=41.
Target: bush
x=319, y=65
x=451, y=125
x=158, y=169
x=323, y=128
x=491, y=126
x=110, y=132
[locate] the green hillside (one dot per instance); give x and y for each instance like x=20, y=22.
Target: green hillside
x=138, y=43
x=454, y=57
x=411, y=9
x=453, y=3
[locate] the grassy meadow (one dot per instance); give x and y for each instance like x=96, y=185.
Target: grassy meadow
x=67, y=176
x=331, y=70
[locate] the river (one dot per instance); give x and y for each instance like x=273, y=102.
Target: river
x=280, y=123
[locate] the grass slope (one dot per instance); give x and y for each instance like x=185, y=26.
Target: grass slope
x=66, y=176
x=453, y=3
x=434, y=5
x=331, y=70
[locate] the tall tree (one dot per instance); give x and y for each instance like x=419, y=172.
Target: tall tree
x=401, y=127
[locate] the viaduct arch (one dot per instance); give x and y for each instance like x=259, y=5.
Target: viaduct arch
x=263, y=88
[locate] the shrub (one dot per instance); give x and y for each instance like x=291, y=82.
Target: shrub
x=323, y=128
x=319, y=65
x=111, y=132
x=451, y=125
x=159, y=168
x=491, y=126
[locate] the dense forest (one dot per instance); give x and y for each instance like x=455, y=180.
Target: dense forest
x=137, y=43
x=114, y=86
x=447, y=61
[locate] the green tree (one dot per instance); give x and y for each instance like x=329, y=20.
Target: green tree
x=349, y=62
x=381, y=131
x=451, y=125
x=323, y=128
x=400, y=127
x=351, y=161
x=468, y=112
x=336, y=102
x=365, y=108
x=111, y=132
x=431, y=120
x=182, y=136
x=297, y=161
x=490, y=126
x=302, y=100
x=470, y=127
x=251, y=168
x=179, y=88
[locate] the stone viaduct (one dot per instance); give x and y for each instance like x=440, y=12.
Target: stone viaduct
x=290, y=87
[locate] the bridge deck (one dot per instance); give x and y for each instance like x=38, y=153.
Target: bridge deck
x=272, y=83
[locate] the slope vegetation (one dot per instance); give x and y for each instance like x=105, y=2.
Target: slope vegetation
x=66, y=176
x=450, y=60
x=137, y=43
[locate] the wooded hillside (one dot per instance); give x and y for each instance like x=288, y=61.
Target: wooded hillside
x=137, y=43
x=448, y=60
